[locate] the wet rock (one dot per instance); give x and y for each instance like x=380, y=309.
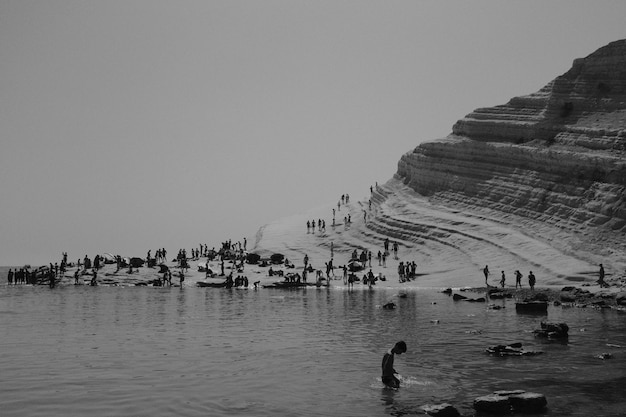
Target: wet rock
x=447, y=291
x=513, y=349
x=441, y=410
x=458, y=297
x=605, y=356
x=528, y=402
x=620, y=298
x=502, y=402
x=495, y=404
x=552, y=330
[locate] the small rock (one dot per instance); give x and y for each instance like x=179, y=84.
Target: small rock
x=605, y=356
x=441, y=410
x=497, y=404
x=528, y=402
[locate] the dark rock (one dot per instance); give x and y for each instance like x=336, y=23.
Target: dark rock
x=528, y=402
x=552, y=330
x=534, y=307
x=513, y=349
x=495, y=404
x=458, y=297
x=568, y=289
x=605, y=356
x=447, y=291
x=441, y=410
x=476, y=300
x=567, y=297
x=620, y=298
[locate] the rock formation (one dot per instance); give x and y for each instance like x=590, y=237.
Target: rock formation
x=557, y=156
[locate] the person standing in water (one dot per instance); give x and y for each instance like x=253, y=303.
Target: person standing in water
x=486, y=272
x=388, y=377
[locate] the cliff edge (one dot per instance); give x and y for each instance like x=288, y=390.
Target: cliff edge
x=553, y=158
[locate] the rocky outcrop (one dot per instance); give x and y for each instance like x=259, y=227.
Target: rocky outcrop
x=557, y=156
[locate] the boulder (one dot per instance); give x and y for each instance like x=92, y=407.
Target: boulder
x=441, y=410
x=620, y=298
x=458, y=297
x=528, y=402
x=495, y=404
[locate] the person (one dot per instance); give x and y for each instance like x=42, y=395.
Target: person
x=94, y=279
x=531, y=280
x=388, y=376
x=486, y=272
x=76, y=277
x=518, y=279
x=181, y=278
x=502, y=280
x=601, y=276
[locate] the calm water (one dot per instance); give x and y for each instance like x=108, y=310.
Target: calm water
x=140, y=351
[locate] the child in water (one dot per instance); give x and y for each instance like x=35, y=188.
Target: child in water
x=388, y=377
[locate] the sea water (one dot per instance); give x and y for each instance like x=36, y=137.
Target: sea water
x=143, y=351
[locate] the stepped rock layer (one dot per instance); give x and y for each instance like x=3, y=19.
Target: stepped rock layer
x=556, y=157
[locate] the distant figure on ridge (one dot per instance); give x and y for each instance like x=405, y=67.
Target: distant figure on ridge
x=518, y=279
x=486, y=272
x=388, y=377
x=531, y=280
x=601, y=277
x=502, y=280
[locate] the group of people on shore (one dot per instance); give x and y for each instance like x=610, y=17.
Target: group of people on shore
x=532, y=280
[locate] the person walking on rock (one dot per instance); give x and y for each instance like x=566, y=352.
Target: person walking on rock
x=486, y=272
x=518, y=279
x=531, y=280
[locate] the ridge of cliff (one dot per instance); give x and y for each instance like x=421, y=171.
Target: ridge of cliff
x=554, y=157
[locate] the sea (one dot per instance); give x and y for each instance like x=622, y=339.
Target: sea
x=149, y=351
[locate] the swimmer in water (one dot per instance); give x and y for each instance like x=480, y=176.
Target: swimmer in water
x=388, y=377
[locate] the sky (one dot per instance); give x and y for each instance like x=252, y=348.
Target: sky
x=132, y=125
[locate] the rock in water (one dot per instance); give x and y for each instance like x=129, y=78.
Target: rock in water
x=441, y=410
x=528, y=402
x=495, y=404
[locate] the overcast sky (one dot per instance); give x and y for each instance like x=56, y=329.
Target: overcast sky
x=132, y=125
